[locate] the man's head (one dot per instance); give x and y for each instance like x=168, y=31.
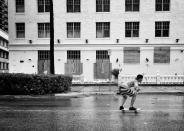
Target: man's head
x=139, y=78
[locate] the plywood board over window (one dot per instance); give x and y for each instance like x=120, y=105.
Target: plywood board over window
x=131, y=55
x=73, y=65
x=162, y=55
x=44, y=62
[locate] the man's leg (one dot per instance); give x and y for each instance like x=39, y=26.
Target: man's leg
x=133, y=100
x=123, y=102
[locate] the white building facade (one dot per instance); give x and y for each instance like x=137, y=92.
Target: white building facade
x=92, y=37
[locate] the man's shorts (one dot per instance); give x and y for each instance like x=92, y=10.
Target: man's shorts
x=124, y=91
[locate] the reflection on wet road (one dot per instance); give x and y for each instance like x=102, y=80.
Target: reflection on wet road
x=93, y=113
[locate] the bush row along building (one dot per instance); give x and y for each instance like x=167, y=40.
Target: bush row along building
x=4, y=51
x=92, y=37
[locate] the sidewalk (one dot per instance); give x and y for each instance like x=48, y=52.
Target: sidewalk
x=83, y=91
x=144, y=89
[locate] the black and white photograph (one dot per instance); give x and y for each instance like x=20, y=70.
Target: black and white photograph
x=91, y=65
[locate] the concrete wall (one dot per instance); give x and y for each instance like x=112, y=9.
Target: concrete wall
x=23, y=62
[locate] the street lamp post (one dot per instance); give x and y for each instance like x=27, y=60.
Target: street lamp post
x=51, y=38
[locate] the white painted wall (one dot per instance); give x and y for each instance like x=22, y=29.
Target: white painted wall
x=29, y=64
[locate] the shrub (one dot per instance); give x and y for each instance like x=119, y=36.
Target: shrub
x=115, y=73
x=29, y=84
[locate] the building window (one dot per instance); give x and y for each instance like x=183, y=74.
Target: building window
x=162, y=55
x=132, y=5
x=4, y=66
x=43, y=30
x=4, y=54
x=43, y=55
x=131, y=55
x=20, y=6
x=43, y=6
x=73, y=5
x=7, y=65
x=102, y=54
x=20, y=30
x=102, y=29
x=0, y=66
x=162, y=29
x=73, y=30
x=1, y=53
x=7, y=55
x=131, y=29
x=102, y=5
x=73, y=55
x=162, y=5
x=3, y=42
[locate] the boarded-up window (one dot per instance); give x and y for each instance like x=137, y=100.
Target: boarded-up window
x=131, y=55
x=162, y=55
x=73, y=65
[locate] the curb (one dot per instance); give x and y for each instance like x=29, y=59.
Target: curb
x=78, y=95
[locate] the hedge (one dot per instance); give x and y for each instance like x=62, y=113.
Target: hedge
x=31, y=84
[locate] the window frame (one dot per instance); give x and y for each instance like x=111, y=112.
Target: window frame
x=45, y=31
x=134, y=7
x=45, y=8
x=104, y=4
x=73, y=54
x=134, y=29
x=103, y=28
x=102, y=55
x=23, y=31
x=74, y=6
x=43, y=54
x=74, y=29
x=19, y=6
x=162, y=5
x=160, y=29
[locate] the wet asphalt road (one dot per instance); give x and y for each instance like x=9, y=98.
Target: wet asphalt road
x=92, y=113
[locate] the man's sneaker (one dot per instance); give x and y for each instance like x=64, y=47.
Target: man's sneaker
x=121, y=107
x=132, y=108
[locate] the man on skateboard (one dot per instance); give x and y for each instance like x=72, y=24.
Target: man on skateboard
x=130, y=89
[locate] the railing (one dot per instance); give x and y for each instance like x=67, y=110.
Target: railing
x=147, y=80
x=156, y=79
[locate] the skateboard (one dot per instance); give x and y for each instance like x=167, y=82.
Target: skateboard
x=134, y=111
